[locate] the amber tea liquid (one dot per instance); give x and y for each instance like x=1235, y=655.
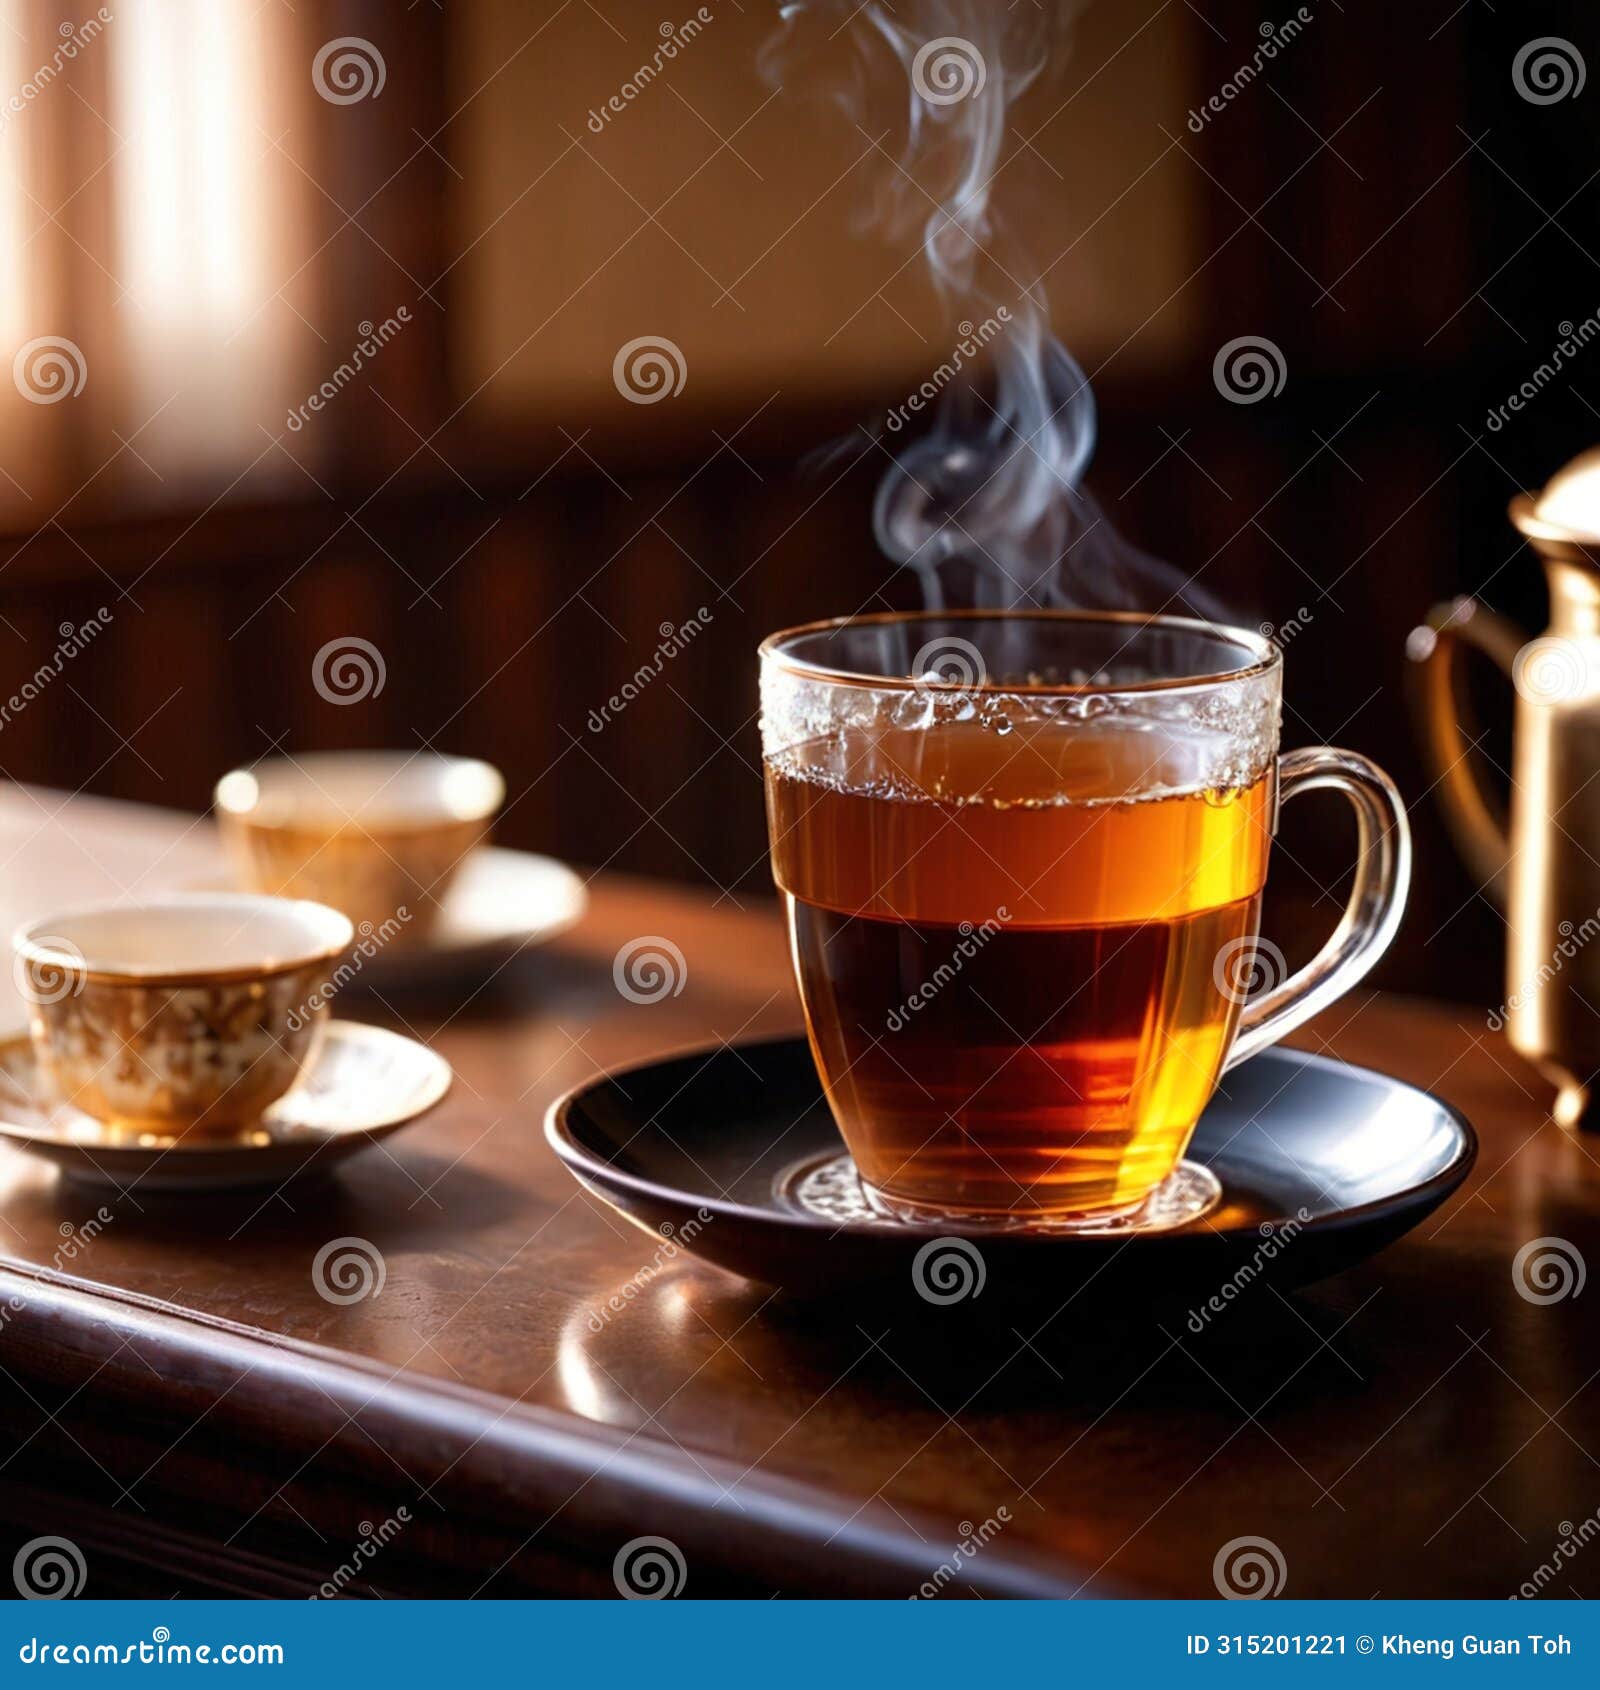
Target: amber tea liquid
x=1010, y=972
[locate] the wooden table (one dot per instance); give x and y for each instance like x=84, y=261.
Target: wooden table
x=188, y=1409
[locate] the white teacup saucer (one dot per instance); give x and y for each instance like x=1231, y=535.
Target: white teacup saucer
x=499, y=902
x=364, y=1084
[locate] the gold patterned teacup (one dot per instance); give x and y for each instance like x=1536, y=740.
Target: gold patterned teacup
x=188, y=1014
x=377, y=834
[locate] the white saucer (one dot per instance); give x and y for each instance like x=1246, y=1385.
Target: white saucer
x=500, y=901
x=364, y=1084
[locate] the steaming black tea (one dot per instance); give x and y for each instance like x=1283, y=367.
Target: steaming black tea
x=1012, y=998
x=1023, y=902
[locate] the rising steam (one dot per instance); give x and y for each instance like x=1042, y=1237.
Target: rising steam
x=988, y=504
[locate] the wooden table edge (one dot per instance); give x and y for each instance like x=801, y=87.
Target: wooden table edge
x=611, y=1484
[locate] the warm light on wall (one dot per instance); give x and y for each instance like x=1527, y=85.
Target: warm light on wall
x=198, y=184
x=14, y=290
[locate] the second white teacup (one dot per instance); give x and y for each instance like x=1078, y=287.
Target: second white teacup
x=377, y=834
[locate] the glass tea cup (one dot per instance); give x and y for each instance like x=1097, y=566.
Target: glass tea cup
x=1022, y=856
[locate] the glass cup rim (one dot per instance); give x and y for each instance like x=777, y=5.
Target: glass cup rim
x=1267, y=659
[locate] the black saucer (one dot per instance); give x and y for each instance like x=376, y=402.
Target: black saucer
x=1321, y=1164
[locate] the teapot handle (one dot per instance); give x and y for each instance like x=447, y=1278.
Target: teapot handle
x=1474, y=812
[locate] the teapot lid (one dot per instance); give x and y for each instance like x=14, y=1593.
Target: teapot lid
x=1567, y=512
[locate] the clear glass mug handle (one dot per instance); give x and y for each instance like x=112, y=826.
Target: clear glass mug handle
x=1377, y=899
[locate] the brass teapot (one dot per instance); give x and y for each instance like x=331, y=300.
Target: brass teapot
x=1544, y=870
